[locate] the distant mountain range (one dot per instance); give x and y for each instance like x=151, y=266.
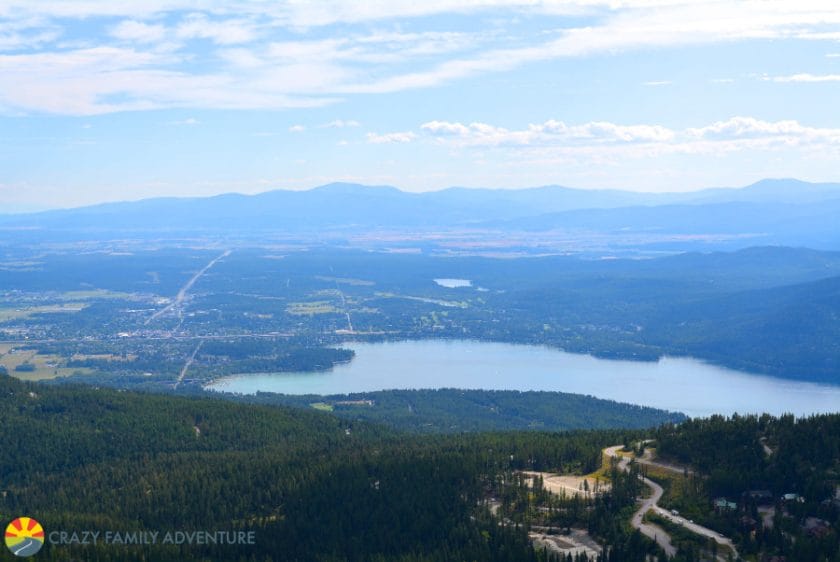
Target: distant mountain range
x=784, y=211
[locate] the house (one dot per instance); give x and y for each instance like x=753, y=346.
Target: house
x=723, y=505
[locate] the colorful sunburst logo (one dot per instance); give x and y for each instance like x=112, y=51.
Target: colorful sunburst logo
x=24, y=536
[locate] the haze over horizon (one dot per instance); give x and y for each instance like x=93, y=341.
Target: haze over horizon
x=101, y=102
x=788, y=185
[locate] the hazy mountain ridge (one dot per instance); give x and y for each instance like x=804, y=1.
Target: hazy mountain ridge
x=347, y=204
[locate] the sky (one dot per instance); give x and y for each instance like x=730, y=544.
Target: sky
x=110, y=101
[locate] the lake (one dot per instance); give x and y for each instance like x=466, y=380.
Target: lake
x=683, y=384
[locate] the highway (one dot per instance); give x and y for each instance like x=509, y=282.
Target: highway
x=182, y=294
x=189, y=362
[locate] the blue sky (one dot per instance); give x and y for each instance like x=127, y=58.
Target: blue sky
x=104, y=101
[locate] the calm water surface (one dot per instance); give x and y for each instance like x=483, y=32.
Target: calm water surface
x=681, y=384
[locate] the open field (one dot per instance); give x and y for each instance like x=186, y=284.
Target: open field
x=568, y=484
x=45, y=366
x=311, y=308
x=96, y=294
x=7, y=314
x=322, y=406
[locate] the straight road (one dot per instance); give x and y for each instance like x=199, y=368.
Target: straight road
x=182, y=294
x=188, y=364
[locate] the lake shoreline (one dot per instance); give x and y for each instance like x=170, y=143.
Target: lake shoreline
x=672, y=383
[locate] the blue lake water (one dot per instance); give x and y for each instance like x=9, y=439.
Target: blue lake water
x=682, y=384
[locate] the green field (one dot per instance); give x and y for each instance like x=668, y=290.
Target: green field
x=9, y=313
x=46, y=366
x=311, y=308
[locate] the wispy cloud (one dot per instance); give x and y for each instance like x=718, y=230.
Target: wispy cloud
x=297, y=129
x=391, y=138
x=100, y=80
x=657, y=83
x=805, y=77
x=341, y=124
x=137, y=31
x=152, y=54
x=189, y=122
x=298, y=15
x=229, y=31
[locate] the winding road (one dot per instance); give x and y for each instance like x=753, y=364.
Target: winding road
x=652, y=503
x=649, y=530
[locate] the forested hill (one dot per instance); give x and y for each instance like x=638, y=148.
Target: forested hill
x=310, y=486
x=452, y=410
x=779, y=479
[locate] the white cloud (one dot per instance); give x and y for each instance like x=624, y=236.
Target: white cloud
x=223, y=32
x=188, y=122
x=600, y=141
x=391, y=138
x=137, y=31
x=341, y=124
x=297, y=51
x=657, y=83
x=14, y=40
x=445, y=128
x=637, y=25
x=260, y=58
x=297, y=129
x=789, y=131
x=108, y=79
x=805, y=77
x=291, y=13
x=549, y=132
